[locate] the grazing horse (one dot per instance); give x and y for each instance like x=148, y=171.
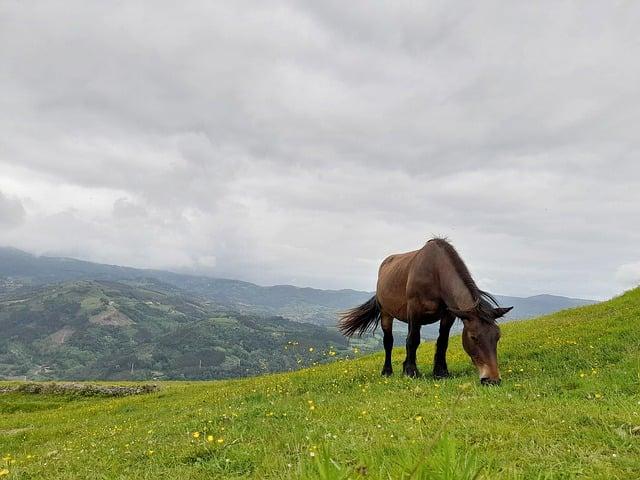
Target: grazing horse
x=425, y=286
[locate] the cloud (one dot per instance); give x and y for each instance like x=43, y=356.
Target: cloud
x=628, y=274
x=304, y=141
x=12, y=212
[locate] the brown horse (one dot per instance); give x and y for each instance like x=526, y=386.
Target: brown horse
x=420, y=288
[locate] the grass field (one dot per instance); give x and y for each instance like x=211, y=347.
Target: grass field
x=569, y=406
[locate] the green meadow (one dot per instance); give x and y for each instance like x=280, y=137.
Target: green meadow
x=568, y=407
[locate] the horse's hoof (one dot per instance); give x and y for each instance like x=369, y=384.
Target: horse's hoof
x=440, y=374
x=490, y=381
x=411, y=371
x=387, y=372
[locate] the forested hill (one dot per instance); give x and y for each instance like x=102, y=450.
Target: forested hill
x=113, y=330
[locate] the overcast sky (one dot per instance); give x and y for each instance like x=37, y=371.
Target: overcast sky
x=302, y=142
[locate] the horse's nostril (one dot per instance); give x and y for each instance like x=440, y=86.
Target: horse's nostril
x=489, y=381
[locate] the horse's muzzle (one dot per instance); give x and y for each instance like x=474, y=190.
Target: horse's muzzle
x=490, y=381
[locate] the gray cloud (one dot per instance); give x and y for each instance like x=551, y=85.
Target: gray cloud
x=302, y=142
x=11, y=211
x=629, y=273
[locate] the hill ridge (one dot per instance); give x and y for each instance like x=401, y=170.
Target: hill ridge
x=306, y=304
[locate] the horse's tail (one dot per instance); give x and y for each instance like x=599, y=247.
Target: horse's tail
x=360, y=319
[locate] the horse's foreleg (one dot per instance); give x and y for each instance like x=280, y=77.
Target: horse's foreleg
x=409, y=366
x=440, y=369
x=386, y=322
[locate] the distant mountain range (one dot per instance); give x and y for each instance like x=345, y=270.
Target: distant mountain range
x=18, y=269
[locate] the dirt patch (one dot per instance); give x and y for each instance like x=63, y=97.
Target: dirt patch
x=13, y=431
x=82, y=389
x=111, y=316
x=13, y=302
x=61, y=335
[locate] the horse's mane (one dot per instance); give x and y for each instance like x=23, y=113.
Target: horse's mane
x=484, y=300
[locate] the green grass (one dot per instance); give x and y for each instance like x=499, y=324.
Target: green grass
x=569, y=406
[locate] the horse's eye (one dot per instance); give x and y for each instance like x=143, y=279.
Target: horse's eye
x=474, y=338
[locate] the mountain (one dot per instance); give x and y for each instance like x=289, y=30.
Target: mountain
x=101, y=329
x=527, y=307
x=18, y=268
x=567, y=408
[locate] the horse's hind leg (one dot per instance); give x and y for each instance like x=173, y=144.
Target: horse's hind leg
x=386, y=322
x=409, y=367
x=440, y=369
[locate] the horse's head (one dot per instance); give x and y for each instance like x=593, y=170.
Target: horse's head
x=480, y=337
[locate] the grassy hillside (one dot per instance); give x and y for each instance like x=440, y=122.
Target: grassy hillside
x=116, y=331
x=569, y=406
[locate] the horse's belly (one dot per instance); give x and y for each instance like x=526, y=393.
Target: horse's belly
x=399, y=312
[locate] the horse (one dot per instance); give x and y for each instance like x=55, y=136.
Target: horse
x=422, y=287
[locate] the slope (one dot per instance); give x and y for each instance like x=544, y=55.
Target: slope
x=569, y=406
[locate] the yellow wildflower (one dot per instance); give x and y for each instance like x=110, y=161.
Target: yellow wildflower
x=195, y=434
x=221, y=440
x=209, y=438
x=4, y=472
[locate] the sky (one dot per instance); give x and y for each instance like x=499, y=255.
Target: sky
x=303, y=142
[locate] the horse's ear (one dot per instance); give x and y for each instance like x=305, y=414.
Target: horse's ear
x=501, y=311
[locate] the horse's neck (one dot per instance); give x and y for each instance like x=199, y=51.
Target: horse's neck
x=455, y=292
